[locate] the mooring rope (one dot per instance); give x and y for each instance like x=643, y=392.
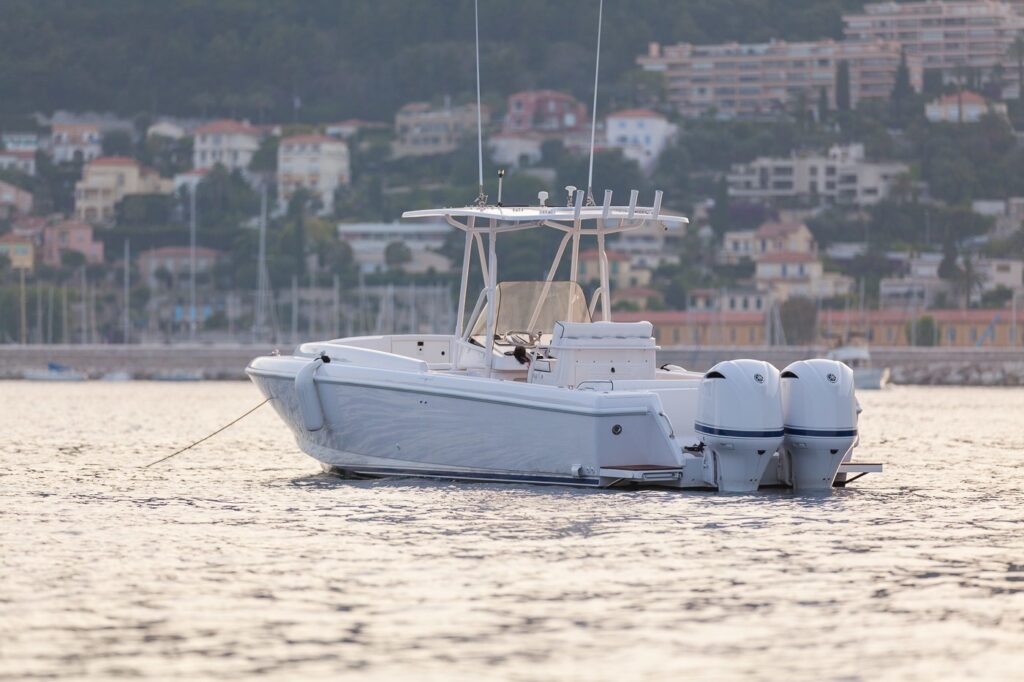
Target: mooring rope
x=229, y=424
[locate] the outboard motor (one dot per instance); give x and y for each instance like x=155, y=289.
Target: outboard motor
x=739, y=419
x=821, y=420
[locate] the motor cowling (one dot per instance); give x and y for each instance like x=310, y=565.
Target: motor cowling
x=739, y=419
x=820, y=410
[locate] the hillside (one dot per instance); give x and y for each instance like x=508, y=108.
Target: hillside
x=363, y=58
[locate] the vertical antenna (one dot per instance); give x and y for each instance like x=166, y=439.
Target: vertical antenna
x=482, y=198
x=593, y=113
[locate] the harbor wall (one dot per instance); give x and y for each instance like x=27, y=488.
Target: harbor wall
x=938, y=366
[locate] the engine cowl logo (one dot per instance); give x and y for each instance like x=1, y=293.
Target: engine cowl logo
x=832, y=378
x=759, y=378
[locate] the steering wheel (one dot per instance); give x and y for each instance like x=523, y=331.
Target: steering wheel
x=532, y=337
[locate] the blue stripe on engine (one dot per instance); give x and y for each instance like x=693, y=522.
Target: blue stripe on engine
x=736, y=433
x=821, y=433
x=470, y=475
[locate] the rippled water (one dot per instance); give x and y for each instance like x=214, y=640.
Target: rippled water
x=238, y=558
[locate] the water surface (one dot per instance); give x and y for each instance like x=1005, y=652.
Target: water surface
x=238, y=558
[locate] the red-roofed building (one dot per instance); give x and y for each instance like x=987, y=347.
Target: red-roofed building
x=231, y=144
x=79, y=142
x=543, y=111
x=107, y=180
x=641, y=134
x=963, y=107
x=70, y=236
x=317, y=163
x=14, y=201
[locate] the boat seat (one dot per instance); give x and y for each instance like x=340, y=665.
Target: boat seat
x=595, y=351
x=603, y=335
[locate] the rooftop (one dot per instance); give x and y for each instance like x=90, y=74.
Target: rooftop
x=636, y=113
x=227, y=127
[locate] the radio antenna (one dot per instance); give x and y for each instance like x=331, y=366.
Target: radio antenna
x=481, y=198
x=593, y=113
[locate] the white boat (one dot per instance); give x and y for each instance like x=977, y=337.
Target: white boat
x=178, y=375
x=54, y=371
x=865, y=375
x=538, y=385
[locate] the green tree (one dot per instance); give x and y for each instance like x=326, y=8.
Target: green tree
x=397, y=254
x=923, y=333
x=843, y=97
x=799, y=320
x=902, y=103
x=118, y=143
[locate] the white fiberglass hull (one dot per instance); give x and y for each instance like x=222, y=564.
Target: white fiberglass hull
x=382, y=423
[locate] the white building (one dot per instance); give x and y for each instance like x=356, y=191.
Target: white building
x=965, y=107
x=369, y=241
x=1008, y=214
x=748, y=80
x=168, y=129
x=231, y=144
x=15, y=141
x=316, y=163
x=641, y=134
x=841, y=176
x=513, y=150
x=941, y=35
x=75, y=142
x=18, y=160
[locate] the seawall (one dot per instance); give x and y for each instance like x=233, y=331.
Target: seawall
x=939, y=366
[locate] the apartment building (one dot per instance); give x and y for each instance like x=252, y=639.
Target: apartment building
x=941, y=35
x=423, y=129
x=231, y=144
x=841, y=176
x=316, y=163
x=108, y=180
x=770, y=237
x=621, y=272
x=745, y=80
x=787, y=274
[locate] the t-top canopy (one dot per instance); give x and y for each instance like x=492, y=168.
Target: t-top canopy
x=615, y=218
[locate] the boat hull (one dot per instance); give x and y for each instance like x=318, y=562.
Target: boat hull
x=870, y=378
x=425, y=426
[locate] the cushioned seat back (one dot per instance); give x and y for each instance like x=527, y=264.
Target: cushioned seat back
x=603, y=335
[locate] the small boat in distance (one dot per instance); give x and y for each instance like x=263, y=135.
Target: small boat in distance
x=857, y=356
x=54, y=371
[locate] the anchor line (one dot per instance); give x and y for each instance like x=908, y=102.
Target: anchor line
x=205, y=438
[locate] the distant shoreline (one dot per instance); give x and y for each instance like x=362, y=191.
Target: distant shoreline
x=913, y=366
